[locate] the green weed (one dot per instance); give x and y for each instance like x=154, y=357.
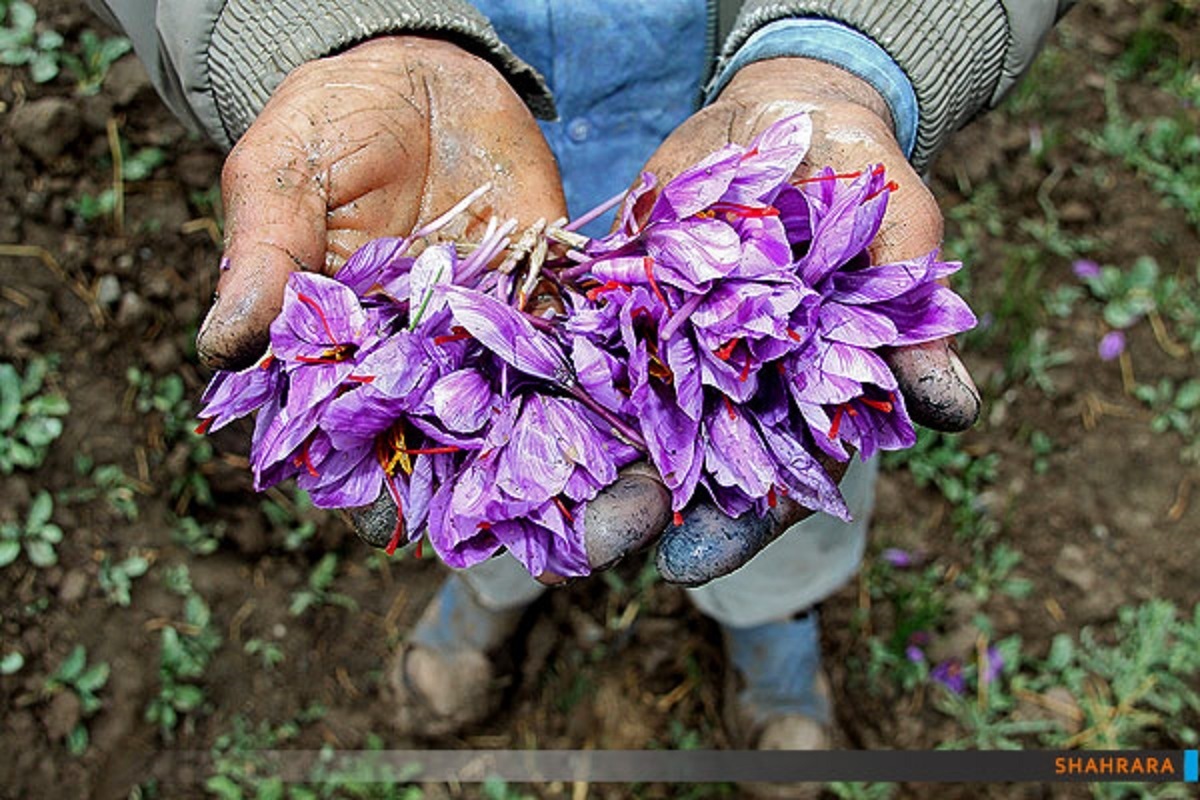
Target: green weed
x=318, y=592
x=269, y=653
x=85, y=681
x=38, y=535
x=116, y=577
x=183, y=657
x=95, y=57
x=29, y=415
x=21, y=44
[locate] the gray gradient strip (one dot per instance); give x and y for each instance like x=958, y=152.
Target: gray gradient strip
x=709, y=766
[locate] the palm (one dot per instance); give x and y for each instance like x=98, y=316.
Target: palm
x=367, y=144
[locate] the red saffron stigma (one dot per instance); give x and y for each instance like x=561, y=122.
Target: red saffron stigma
x=879, y=405
x=837, y=422
x=795, y=337
x=648, y=265
x=746, y=212
x=267, y=362
x=308, y=301
x=677, y=519
x=420, y=547
x=457, y=334
x=484, y=526
x=315, y=360
x=772, y=500
x=746, y=368
x=729, y=407
x=394, y=542
x=361, y=378
x=607, y=286
x=751, y=153
x=204, y=425
x=837, y=176
x=431, y=451
x=307, y=461
x=726, y=350
x=563, y=508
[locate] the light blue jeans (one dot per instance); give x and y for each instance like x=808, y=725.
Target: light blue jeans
x=809, y=562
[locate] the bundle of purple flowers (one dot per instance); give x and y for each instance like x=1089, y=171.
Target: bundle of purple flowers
x=730, y=335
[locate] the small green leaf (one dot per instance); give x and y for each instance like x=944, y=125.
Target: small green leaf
x=22, y=15
x=10, y=396
x=11, y=663
x=187, y=697
x=135, y=566
x=72, y=666
x=40, y=511
x=44, y=67
x=77, y=740
x=41, y=553
x=9, y=550
x=1188, y=397
x=93, y=679
x=224, y=787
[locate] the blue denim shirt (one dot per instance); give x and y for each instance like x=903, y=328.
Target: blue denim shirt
x=625, y=75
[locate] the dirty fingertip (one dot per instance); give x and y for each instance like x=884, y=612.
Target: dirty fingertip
x=625, y=517
x=709, y=544
x=937, y=387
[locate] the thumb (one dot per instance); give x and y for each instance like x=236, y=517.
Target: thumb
x=936, y=385
x=275, y=224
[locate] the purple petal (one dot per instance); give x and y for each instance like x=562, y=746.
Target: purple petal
x=462, y=400
x=433, y=267
x=1112, y=345
x=1086, y=269
x=505, y=332
x=319, y=315
x=735, y=455
x=376, y=263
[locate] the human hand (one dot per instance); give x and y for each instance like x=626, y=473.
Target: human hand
x=852, y=128
x=376, y=142
x=369, y=143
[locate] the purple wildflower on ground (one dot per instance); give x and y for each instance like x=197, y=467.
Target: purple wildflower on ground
x=899, y=558
x=949, y=673
x=1112, y=344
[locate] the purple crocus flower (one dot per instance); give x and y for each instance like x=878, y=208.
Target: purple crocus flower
x=897, y=557
x=914, y=654
x=1112, y=345
x=994, y=666
x=1086, y=269
x=949, y=673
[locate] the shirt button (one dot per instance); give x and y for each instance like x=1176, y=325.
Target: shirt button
x=579, y=129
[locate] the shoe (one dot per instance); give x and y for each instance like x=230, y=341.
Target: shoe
x=776, y=695
x=441, y=679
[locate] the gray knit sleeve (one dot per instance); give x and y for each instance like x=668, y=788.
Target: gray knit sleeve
x=216, y=62
x=960, y=55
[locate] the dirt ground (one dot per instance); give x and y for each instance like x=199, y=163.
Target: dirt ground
x=1110, y=519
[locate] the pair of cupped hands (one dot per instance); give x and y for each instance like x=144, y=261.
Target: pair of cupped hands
x=385, y=136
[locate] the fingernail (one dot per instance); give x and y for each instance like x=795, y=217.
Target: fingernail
x=625, y=517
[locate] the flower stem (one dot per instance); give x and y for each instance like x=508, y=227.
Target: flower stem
x=620, y=427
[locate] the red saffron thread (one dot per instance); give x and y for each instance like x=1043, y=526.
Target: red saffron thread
x=726, y=350
x=648, y=265
x=204, y=425
x=308, y=301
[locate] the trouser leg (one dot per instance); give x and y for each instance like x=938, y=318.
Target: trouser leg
x=806, y=564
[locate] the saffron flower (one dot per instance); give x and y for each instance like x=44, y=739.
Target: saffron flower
x=949, y=673
x=1112, y=344
x=731, y=334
